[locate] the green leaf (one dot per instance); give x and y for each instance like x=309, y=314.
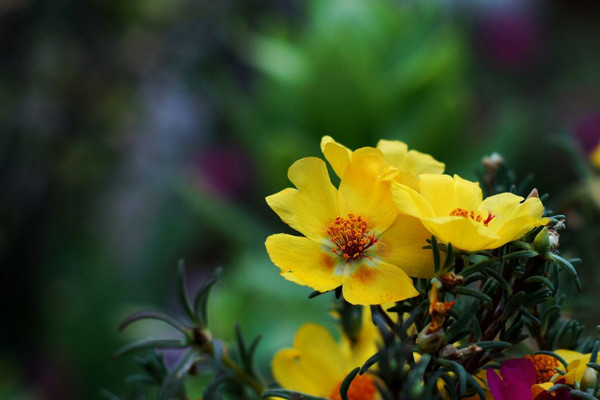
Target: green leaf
x=541, y=279
x=520, y=254
x=150, y=344
x=173, y=382
x=241, y=342
x=347, y=382
x=289, y=395
x=480, y=266
x=201, y=300
x=473, y=293
x=475, y=385
x=436, y=254
x=217, y=354
x=450, y=386
x=156, y=315
x=496, y=275
x=513, y=304
x=213, y=390
x=594, y=353
x=531, y=317
x=582, y=395
x=182, y=294
x=568, y=267
x=459, y=370
x=594, y=366
x=251, y=351
x=449, y=257
x=369, y=363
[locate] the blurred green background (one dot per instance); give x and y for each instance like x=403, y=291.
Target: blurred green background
x=134, y=133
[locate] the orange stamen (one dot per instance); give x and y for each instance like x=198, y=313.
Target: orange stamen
x=351, y=238
x=461, y=212
x=545, y=366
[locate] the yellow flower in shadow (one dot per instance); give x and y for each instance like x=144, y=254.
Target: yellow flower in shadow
x=353, y=236
x=317, y=365
x=453, y=210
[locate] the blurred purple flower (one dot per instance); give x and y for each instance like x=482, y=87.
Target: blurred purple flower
x=226, y=171
x=587, y=132
x=511, y=38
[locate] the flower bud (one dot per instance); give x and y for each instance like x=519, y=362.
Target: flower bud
x=430, y=342
x=589, y=379
x=541, y=243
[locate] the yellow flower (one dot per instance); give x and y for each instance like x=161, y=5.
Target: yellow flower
x=595, y=156
x=576, y=364
x=452, y=209
x=410, y=163
x=354, y=236
x=317, y=365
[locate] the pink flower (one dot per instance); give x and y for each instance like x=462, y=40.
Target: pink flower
x=517, y=381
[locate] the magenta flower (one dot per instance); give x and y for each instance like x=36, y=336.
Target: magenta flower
x=517, y=377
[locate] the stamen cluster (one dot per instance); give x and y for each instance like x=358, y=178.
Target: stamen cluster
x=462, y=212
x=351, y=237
x=545, y=366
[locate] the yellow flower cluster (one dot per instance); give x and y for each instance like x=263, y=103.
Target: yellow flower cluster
x=367, y=235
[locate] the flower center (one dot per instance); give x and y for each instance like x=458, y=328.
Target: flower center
x=463, y=212
x=545, y=366
x=361, y=388
x=351, y=237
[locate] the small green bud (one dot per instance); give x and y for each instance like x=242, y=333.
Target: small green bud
x=589, y=379
x=430, y=342
x=541, y=243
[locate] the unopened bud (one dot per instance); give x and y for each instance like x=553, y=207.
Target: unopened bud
x=492, y=162
x=589, y=379
x=430, y=342
x=554, y=238
x=541, y=243
x=533, y=194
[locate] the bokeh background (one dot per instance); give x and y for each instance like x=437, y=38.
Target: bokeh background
x=135, y=133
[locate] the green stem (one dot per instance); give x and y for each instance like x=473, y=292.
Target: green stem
x=243, y=376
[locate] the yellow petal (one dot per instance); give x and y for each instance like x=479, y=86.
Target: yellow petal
x=512, y=218
x=463, y=233
x=419, y=163
x=576, y=364
x=314, y=366
x=538, y=388
x=376, y=282
x=445, y=193
x=410, y=202
x=571, y=355
x=336, y=154
x=394, y=151
x=304, y=261
x=410, y=163
x=363, y=191
x=312, y=207
x=402, y=245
